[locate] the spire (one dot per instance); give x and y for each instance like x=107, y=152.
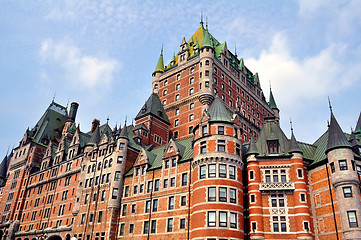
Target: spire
x=336, y=138
x=206, y=40
x=95, y=138
x=252, y=149
x=272, y=102
x=124, y=133
x=160, y=64
x=218, y=112
x=358, y=125
x=201, y=22
x=294, y=147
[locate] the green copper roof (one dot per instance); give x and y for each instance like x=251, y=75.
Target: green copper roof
x=252, y=149
x=272, y=102
x=218, y=112
x=206, y=40
x=160, y=64
x=336, y=138
x=153, y=106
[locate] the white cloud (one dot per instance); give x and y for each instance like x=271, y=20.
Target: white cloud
x=308, y=7
x=78, y=69
x=294, y=80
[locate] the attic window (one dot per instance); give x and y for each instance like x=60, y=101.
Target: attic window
x=272, y=147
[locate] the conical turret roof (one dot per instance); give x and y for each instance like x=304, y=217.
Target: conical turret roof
x=160, y=64
x=294, y=147
x=336, y=138
x=272, y=102
x=95, y=138
x=4, y=166
x=252, y=149
x=124, y=132
x=207, y=40
x=218, y=112
x=153, y=106
x=358, y=125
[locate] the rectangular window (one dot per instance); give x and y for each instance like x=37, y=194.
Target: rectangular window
x=174, y=162
x=343, y=165
x=251, y=175
x=223, y=194
x=155, y=205
x=222, y=171
x=150, y=186
x=165, y=185
x=131, y=228
x=233, y=220
x=268, y=176
x=121, y=229
x=347, y=192
x=221, y=147
x=203, y=147
x=221, y=130
x=223, y=219
x=204, y=130
x=171, y=203
x=232, y=195
x=147, y=206
x=332, y=166
x=115, y=193
x=153, y=228
x=100, y=216
x=303, y=197
x=212, y=194
x=124, y=210
x=120, y=159
x=182, y=223
x=275, y=175
x=184, y=179
x=283, y=176
x=232, y=172
x=183, y=200
x=126, y=191
x=253, y=198
x=146, y=227
x=202, y=172
x=305, y=226
x=211, y=219
x=170, y=225
x=134, y=206
x=166, y=164
x=156, y=185
x=352, y=218
x=172, y=182
x=299, y=173
x=211, y=170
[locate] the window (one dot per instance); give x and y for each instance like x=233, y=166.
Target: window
x=150, y=186
x=232, y=195
x=124, y=210
x=121, y=229
x=100, y=216
x=146, y=227
x=254, y=226
x=174, y=162
x=221, y=147
x=126, y=191
x=332, y=166
x=303, y=197
x=251, y=175
x=190, y=130
x=171, y=203
x=141, y=188
x=147, y=206
x=352, y=218
x=223, y=194
x=117, y=176
x=223, y=219
x=103, y=195
x=233, y=220
x=272, y=147
x=191, y=106
x=191, y=80
x=135, y=189
x=221, y=130
x=343, y=165
x=275, y=175
x=164, y=102
x=178, y=77
x=170, y=225
x=253, y=198
x=120, y=159
x=211, y=219
x=347, y=192
x=305, y=226
x=172, y=182
x=191, y=91
x=165, y=185
x=283, y=176
x=204, y=130
x=153, y=227
x=131, y=228
x=115, y=193
x=299, y=173
x=177, y=97
x=134, y=206
x=211, y=170
x=166, y=164
x=177, y=112
x=177, y=87
x=232, y=172
x=203, y=147
x=268, y=176
x=222, y=171
x=182, y=223
x=192, y=70
x=155, y=205
x=191, y=117
x=202, y=172
x=183, y=200
x=176, y=122
x=212, y=194
x=184, y=179
x=156, y=185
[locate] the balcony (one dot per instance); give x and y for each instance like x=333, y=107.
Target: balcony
x=277, y=186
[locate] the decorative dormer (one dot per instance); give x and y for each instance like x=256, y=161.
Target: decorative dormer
x=183, y=52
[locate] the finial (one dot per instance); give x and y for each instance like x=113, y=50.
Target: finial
x=54, y=96
x=329, y=103
x=125, y=122
x=207, y=23
x=8, y=150
x=270, y=84
x=107, y=119
x=161, y=51
x=67, y=104
x=328, y=123
x=235, y=50
x=202, y=17
x=291, y=125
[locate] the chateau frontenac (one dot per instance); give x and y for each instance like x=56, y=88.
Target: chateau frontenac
x=205, y=159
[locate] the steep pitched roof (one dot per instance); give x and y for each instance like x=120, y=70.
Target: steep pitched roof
x=95, y=137
x=218, y=112
x=153, y=106
x=358, y=125
x=206, y=40
x=252, y=149
x=4, y=166
x=336, y=138
x=294, y=147
x=272, y=102
x=160, y=64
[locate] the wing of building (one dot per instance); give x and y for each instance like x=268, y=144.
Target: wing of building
x=205, y=159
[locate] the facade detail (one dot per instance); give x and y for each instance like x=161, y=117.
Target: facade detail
x=205, y=159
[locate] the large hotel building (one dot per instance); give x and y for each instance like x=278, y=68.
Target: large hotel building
x=206, y=159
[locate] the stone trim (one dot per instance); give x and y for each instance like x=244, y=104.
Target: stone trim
x=206, y=160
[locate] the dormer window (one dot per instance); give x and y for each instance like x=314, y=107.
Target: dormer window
x=272, y=147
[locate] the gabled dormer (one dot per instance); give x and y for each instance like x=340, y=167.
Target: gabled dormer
x=183, y=52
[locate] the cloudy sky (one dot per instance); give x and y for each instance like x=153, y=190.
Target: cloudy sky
x=102, y=54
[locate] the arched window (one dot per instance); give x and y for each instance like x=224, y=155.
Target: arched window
x=93, y=168
x=99, y=166
x=110, y=162
x=105, y=164
x=156, y=86
x=207, y=62
x=164, y=92
x=89, y=169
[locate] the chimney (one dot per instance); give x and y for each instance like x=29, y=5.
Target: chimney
x=95, y=123
x=73, y=109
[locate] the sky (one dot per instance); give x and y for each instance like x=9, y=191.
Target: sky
x=101, y=54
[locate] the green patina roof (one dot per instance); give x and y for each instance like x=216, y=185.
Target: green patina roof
x=272, y=102
x=155, y=156
x=160, y=64
x=207, y=42
x=294, y=147
x=218, y=112
x=358, y=126
x=252, y=148
x=153, y=106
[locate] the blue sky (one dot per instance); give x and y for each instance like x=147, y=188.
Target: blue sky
x=102, y=54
